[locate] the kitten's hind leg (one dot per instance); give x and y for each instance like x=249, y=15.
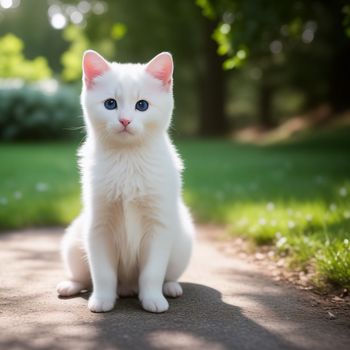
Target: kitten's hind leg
x=76, y=265
x=180, y=256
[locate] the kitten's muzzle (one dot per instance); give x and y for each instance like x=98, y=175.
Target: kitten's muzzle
x=125, y=122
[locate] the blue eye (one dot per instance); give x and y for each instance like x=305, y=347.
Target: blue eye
x=141, y=105
x=111, y=103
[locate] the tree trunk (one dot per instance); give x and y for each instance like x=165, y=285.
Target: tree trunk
x=339, y=92
x=211, y=92
x=265, y=119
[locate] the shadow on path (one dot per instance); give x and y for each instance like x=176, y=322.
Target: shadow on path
x=198, y=320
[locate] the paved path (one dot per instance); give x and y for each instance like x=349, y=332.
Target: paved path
x=227, y=304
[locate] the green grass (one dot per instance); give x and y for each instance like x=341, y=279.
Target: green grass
x=295, y=195
x=39, y=185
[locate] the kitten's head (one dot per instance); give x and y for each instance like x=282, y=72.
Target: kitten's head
x=127, y=103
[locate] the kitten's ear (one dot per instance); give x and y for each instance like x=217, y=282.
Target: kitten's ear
x=94, y=65
x=161, y=67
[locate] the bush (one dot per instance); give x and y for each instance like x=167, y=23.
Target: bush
x=28, y=113
x=13, y=64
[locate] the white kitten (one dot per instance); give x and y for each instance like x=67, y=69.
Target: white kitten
x=134, y=229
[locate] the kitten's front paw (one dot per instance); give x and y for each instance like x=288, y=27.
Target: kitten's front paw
x=69, y=288
x=155, y=303
x=172, y=289
x=101, y=303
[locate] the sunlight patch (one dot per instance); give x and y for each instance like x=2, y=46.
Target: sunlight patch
x=180, y=340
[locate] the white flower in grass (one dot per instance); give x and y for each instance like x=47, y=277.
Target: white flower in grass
x=3, y=201
x=273, y=223
x=290, y=212
x=262, y=221
x=333, y=207
x=17, y=195
x=346, y=241
x=270, y=206
x=281, y=242
x=308, y=217
x=41, y=187
x=347, y=214
x=307, y=240
x=252, y=229
x=243, y=222
x=291, y=224
x=343, y=192
x=278, y=235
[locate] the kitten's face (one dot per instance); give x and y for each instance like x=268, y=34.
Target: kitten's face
x=127, y=103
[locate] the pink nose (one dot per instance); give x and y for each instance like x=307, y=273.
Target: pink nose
x=125, y=122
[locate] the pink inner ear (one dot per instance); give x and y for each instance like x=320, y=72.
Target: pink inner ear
x=161, y=67
x=94, y=65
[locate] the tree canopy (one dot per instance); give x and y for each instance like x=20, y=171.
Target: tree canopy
x=224, y=51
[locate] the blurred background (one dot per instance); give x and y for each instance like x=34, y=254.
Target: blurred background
x=261, y=115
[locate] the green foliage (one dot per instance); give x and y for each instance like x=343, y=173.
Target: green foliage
x=79, y=42
x=71, y=59
x=207, y=8
x=118, y=31
x=334, y=261
x=248, y=28
x=346, y=21
x=282, y=41
x=14, y=65
x=29, y=113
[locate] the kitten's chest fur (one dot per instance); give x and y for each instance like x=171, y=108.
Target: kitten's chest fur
x=140, y=174
x=124, y=176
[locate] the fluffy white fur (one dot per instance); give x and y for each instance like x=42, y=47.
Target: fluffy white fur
x=134, y=235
